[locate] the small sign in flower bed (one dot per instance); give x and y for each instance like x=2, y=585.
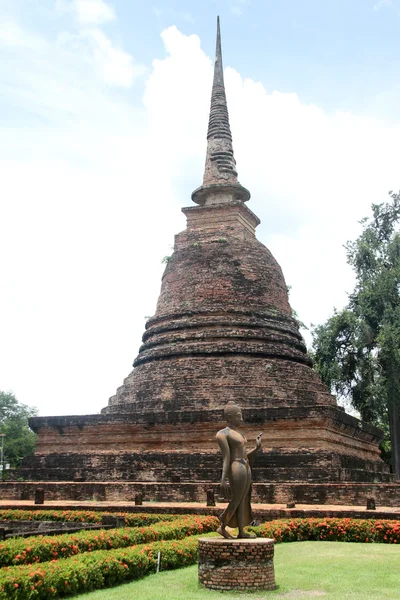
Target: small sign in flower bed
x=339, y=530
x=42, y=548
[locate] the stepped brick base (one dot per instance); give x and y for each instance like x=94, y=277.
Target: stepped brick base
x=320, y=444
x=245, y=564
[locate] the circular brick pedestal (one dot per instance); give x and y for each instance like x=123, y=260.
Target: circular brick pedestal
x=244, y=564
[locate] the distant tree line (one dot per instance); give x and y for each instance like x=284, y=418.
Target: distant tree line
x=19, y=439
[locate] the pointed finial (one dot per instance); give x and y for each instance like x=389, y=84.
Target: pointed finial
x=220, y=175
x=218, y=125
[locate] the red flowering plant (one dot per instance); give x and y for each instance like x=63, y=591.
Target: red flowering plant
x=41, y=548
x=77, y=516
x=96, y=570
x=331, y=529
x=81, y=516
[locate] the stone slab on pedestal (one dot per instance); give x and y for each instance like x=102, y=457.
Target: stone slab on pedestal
x=236, y=564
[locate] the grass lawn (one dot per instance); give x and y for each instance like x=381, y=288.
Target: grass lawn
x=303, y=570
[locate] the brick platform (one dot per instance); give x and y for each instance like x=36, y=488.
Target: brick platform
x=244, y=564
x=317, y=494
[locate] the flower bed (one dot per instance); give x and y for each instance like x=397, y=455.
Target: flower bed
x=81, y=516
x=42, y=548
x=94, y=569
x=339, y=530
x=97, y=570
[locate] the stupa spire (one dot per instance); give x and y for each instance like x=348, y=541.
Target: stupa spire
x=220, y=183
x=218, y=124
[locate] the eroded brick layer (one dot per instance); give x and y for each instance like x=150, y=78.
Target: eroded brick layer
x=223, y=328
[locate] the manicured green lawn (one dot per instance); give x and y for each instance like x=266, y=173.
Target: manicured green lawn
x=303, y=570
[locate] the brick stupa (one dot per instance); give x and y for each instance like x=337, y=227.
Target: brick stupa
x=223, y=330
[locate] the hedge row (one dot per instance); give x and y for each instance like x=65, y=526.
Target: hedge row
x=81, y=516
x=339, y=530
x=40, y=549
x=97, y=570
x=77, y=516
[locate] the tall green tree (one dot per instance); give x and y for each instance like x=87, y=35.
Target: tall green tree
x=19, y=440
x=357, y=351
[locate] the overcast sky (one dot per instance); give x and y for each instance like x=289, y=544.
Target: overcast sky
x=103, y=119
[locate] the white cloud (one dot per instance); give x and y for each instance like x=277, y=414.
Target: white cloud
x=170, y=14
x=112, y=63
x=188, y=17
x=238, y=7
x=313, y=177
x=88, y=12
x=383, y=4
x=92, y=184
x=158, y=12
x=13, y=36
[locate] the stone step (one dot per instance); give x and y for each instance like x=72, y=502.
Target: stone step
x=347, y=494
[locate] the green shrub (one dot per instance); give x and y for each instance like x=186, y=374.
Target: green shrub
x=141, y=519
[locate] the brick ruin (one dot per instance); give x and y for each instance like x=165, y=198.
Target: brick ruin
x=223, y=330
x=237, y=564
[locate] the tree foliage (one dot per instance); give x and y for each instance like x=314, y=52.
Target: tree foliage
x=20, y=440
x=357, y=351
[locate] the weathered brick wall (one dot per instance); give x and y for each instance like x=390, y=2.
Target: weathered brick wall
x=236, y=564
x=208, y=273
x=284, y=466
x=233, y=219
x=347, y=494
x=202, y=383
x=299, y=443
x=222, y=320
